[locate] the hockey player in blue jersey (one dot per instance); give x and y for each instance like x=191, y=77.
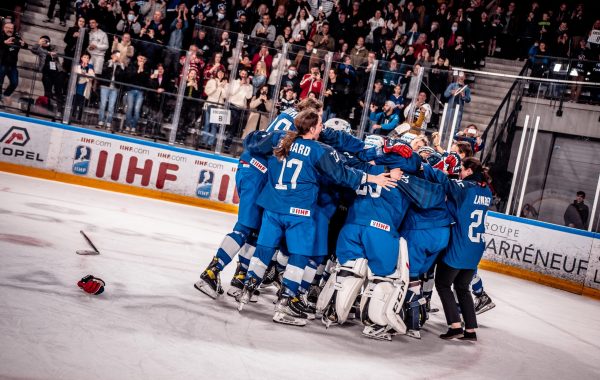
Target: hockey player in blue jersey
x=468, y=201
x=250, y=178
x=289, y=199
x=370, y=239
x=285, y=120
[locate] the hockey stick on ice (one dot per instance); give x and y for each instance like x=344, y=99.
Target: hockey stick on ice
x=87, y=252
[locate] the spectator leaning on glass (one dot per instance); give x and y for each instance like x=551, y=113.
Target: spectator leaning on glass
x=215, y=89
x=98, y=45
x=85, y=73
x=109, y=90
x=10, y=44
x=136, y=74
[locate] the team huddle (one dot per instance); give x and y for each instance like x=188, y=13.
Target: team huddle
x=348, y=228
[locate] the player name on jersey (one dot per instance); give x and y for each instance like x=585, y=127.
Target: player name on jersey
x=300, y=149
x=381, y=226
x=482, y=200
x=299, y=211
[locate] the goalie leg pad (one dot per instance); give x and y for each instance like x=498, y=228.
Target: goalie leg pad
x=381, y=304
x=343, y=288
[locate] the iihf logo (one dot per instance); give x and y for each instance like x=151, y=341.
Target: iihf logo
x=205, y=183
x=81, y=162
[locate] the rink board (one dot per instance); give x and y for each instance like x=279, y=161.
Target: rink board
x=558, y=256
x=98, y=155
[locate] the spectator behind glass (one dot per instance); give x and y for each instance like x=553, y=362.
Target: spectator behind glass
x=10, y=45
x=216, y=90
x=98, y=45
x=49, y=65
x=577, y=213
x=290, y=79
x=259, y=77
x=124, y=47
x=212, y=68
x=136, y=74
x=157, y=24
x=458, y=94
x=62, y=11
x=263, y=56
x=109, y=89
x=85, y=73
x=262, y=105
x=311, y=82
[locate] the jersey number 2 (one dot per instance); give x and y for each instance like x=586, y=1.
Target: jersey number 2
x=288, y=164
x=477, y=219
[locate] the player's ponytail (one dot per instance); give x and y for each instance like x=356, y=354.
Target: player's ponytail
x=480, y=174
x=304, y=121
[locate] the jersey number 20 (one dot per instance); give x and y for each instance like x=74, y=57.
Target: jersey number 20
x=477, y=219
x=288, y=164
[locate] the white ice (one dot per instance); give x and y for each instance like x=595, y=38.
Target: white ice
x=152, y=324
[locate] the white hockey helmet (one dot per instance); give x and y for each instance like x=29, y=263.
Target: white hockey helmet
x=338, y=124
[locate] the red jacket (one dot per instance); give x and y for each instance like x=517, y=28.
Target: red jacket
x=309, y=84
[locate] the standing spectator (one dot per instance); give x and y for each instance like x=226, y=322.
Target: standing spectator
x=283, y=37
x=458, y=94
x=130, y=24
x=240, y=92
x=398, y=100
x=70, y=40
x=438, y=80
x=152, y=6
x=162, y=82
x=323, y=40
x=109, y=90
x=212, y=68
x=124, y=47
x=341, y=28
x=149, y=46
x=291, y=79
x=528, y=35
x=85, y=74
x=264, y=57
x=577, y=213
x=261, y=104
x=157, y=24
x=62, y=13
x=190, y=105
x=216, y=89
x=49, y=65
x=259, y=77
x=301, y=22
x=391, y=76
x=281, y=20
x=331, y=97
x=10, y=44
x=274, y=76
x=136, y=74
x=305, y=58
x=220, y=21
x=175, y=43
x=374, y=23
x=98, y=46
x=264, y=29
x=418, y=113
x=311, y=82
x=508, y=34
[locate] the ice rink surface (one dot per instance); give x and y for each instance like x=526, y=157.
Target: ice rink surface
x=151, y=323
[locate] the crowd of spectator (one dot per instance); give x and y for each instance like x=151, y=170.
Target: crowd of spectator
x=142, y=46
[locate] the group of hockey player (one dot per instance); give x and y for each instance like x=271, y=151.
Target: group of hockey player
x=356, y=229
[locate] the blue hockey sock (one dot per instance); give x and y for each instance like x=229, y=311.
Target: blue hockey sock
x=477, y=285
x=247, y=251
x=231, y=245
x=259, y=262
x=293, y=274
x=310, y=271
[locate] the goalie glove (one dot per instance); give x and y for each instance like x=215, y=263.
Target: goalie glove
x=91, y=284
x=398, y=147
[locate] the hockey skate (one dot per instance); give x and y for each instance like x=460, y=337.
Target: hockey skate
x=237, y=285
x=210, y=282
x=414, y=334
x=378, y=332
x=306, y=308
x=288, y=311
x=483, y=303
x=247, y=293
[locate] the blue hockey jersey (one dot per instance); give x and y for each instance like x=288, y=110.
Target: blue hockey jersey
x=284, y=121
x=293, y=183
x=468, y=203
